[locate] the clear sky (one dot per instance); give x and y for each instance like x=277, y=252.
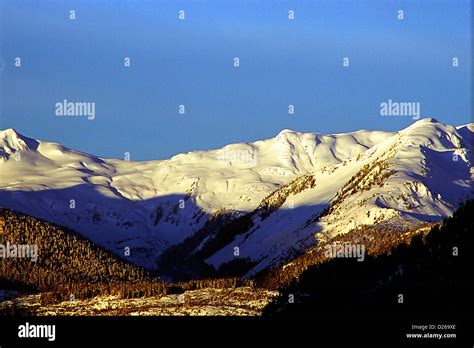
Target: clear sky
x=190, y=62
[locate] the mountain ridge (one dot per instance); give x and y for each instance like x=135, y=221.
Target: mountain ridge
x=152, y=205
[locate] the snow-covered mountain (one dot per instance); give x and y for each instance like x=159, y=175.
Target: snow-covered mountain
x=292, y=190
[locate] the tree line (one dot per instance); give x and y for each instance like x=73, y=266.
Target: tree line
x=70, y=267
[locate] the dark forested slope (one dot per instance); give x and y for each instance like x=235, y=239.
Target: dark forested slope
x=433, y=272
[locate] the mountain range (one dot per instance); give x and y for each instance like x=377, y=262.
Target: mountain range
x=259, y=203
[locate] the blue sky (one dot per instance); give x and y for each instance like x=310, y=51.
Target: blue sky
x=190, y=62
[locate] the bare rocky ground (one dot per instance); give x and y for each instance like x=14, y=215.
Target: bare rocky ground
x=244, y=301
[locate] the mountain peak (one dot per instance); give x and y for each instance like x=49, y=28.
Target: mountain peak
x=285, y=131
x=427, y=120
x=9, y=132
x=11, y=141
x=426, y=123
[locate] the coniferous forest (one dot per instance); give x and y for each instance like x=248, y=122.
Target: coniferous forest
x=72, y=267
x=433, y=272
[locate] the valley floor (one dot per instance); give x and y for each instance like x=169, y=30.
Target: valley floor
x=243, y=301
